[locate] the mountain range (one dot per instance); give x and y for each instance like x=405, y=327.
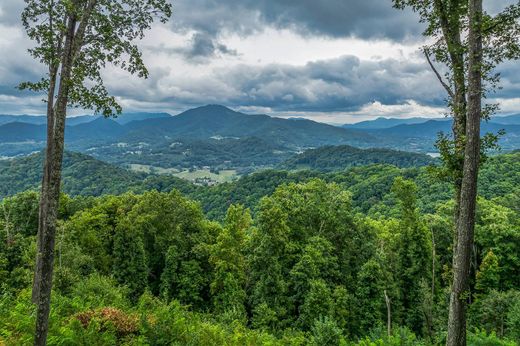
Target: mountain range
x=218, y=138
x=384, y=123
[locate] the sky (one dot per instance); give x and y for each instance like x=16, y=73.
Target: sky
x=334, y=61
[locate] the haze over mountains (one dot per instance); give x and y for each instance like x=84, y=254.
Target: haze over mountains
x=383, y=123
x=217, y=138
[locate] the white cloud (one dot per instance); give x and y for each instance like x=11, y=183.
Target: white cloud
x=409, y=109
x=273, y=57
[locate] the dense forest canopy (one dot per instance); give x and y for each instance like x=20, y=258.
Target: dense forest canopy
x=220, y=226
x=294, y=258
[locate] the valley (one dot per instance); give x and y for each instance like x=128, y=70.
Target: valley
x=220, y=144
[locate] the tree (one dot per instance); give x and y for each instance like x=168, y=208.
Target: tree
x=414, y=254
x=130, y=260
x=75, y=40
x=228, y=259
x=370, y=296
x=498, y=229
x=318, y=304
x=465, y=224
x=470, y=43
x=488, y=276
x=325, y=331
x=266, y=257
x=317, y=262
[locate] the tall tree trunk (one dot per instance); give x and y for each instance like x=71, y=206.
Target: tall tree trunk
x=468, y=193
x=45, y=182
x=451, y=31
x=49, y=200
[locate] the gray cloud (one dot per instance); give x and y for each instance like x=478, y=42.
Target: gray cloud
x=204, y=46
x=10, y=11
x=367, y=19
x=343, y=84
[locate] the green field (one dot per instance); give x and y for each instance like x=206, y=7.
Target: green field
x=152, y=169
x=222, y=177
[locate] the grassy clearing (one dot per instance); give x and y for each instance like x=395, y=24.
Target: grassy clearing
x=222, y=177
x=152, y=169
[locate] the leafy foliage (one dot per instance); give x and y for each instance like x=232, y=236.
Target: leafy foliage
x=310, y=264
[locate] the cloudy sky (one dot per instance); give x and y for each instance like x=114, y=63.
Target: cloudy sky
x=336, y=61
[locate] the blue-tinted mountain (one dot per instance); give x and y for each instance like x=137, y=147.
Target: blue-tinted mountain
x=513, y=119
x=213, y=120
x=422, y=137
x=30, y=119
x=383, y=123
x=430, y=128
x=100, y=128
x=124, y=118
x=21, y=132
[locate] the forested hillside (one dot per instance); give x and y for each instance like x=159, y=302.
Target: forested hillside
x=369, y=185
x=222, y=139
x=310, y=264
x=334, y=158
x=259, y=173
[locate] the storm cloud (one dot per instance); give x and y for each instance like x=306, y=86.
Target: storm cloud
x=345, y=58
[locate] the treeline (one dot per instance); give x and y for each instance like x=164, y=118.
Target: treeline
x=306, y=268
x=369, y=185
x=336, y=158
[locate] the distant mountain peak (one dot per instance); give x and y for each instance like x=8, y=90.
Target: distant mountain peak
x=213, y=107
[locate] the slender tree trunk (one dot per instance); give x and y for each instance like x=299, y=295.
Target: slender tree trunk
x=49, y=200
x=388, y=315
x=45, y=182
x=451, y=31
x=468, y=196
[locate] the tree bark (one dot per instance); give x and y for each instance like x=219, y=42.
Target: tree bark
x=388, y=315
x=45, y=181
x=451, y=31
x=49, y=200
x=468, y=193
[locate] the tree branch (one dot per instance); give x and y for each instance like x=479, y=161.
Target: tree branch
x=80, y=33
x=439, y=77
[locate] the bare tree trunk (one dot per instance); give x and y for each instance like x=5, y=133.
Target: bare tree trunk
x=49, y=200
x=45, y=183
x=468, y=197
x=388, y=315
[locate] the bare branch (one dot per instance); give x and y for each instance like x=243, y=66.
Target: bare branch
x=439, y=77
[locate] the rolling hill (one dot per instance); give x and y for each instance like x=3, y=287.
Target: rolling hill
x=337, y=158
x=82, y=175
x=223, y=139
x=214, y=120
x=384, y=123
x=212, y=135
x=200, y=123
